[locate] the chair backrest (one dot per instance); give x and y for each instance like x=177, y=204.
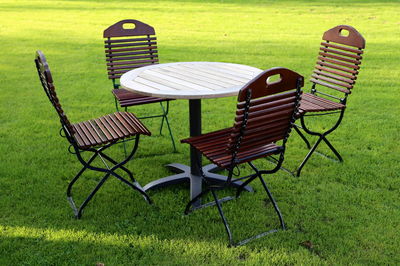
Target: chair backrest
x=47, y=82
x=266, y=109
x=129, y=44
x=339, y=59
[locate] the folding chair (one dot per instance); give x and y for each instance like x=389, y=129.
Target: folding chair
x=265, y=114
x=94, y=136
x=332, y=80
x=131, y=44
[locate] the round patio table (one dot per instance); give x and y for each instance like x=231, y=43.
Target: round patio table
x=193, y=81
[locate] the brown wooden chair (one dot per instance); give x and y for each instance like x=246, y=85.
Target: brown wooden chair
x=94, y=136
x=132, y=44
x=264, y=116
x=333, y=78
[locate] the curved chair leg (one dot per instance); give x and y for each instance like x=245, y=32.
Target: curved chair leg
x=302, y=136
x=321, y=136
x=165, y=117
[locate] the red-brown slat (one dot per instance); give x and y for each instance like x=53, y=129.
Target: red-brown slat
x=93, y=133
x=129, y=40
x=348, y=49
x=347, y=80
x=79, y=140
x=338, y=67
x=340, y=63
x=129, y=63
x=332, y=81
x=327, y=50
x=80, y=132
x=118, y=59
x=117, y=124
x=87, y=133
x=139, y=126
x=131, y=49
x=323, y=103
x=335, y=72
x=129, y=44
x=109, y=128
x=125, y=123
x=113, y=126
x=271, y=98
x=103, y=129
x=330, y=86
x=266, y=105
x=112, y=54
x=261, y=113
x=98, y=130
x=341, y=58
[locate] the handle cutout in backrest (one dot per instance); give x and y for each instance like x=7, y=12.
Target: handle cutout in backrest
x=273, y=79
x=128, y=26
x=344, y=33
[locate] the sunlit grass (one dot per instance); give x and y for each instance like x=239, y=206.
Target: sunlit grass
x=350, y=212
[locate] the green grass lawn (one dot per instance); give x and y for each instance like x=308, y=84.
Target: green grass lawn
x=350, y=212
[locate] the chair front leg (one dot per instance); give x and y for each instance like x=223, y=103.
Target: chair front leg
x=85, y=166
x=221, y=213
x=278, y=212
x=321, y=136
x=165, y=117
x=78, y=212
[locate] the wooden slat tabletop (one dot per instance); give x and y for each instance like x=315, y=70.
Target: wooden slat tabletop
x=189, y=80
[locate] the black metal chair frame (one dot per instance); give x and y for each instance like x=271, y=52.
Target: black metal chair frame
x=98, y=151
x=148, y=31
x=321, y=136
x=213, y=187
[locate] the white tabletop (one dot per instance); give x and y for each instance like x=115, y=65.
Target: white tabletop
x=189, y=80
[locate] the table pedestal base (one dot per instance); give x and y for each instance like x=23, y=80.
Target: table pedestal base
x=183, y=174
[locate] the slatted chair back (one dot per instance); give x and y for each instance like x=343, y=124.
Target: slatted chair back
x=265, y=109
x=339, y=60
x=129, y=44
x=47, y=82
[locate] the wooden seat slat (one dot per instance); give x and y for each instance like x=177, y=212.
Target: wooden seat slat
x=106, y=124
x=98, y=130
x=92, y=132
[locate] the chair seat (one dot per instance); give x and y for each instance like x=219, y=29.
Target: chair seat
x=106, y=129
x=214, y=145
x=312, y=103
x=127, y=98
